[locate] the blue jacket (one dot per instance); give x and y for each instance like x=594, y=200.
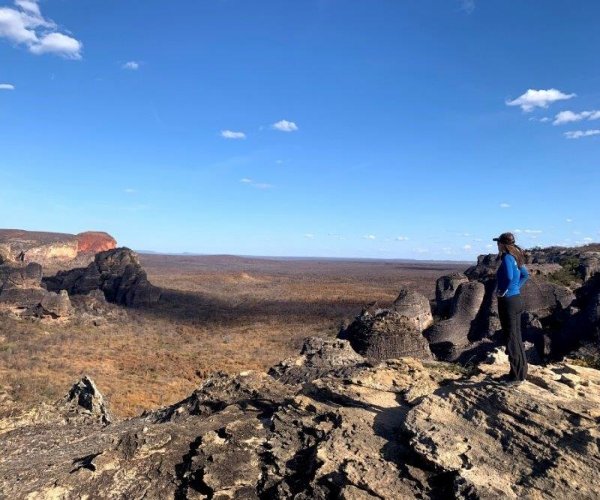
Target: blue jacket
x=510, y=277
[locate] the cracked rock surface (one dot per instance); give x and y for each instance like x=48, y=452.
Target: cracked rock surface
x=401, y=428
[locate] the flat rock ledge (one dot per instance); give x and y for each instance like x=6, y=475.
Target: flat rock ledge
x=400, y=428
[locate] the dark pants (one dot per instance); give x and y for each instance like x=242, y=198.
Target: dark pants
x=510, y=310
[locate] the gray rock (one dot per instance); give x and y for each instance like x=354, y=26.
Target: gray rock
x=117, y=273
x=56, y=305
x=318, y=358
x=386, y=335
x=400, y=429
x=415, y=307
x=449, y=338
x=29, y=276
x=24, y=298
x=85, y=402
x=445, y=289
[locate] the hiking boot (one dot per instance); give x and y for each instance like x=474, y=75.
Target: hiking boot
x=508, y=380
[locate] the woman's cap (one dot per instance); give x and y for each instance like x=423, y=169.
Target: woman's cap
x=506, y=238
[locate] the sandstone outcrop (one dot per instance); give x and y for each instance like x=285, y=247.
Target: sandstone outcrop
x=415, y=307
x=94, y=242
x=398, y=429
x=52, y=250
x=117, y=273
x=21, y=289
x=555, y=297
x=86, y=403
x=386, y=334
x=56, y=305
x=449, y=338
x=318, y=358
x=445, y=290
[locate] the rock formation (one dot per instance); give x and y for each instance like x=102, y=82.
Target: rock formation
x=94, y=242
x=117, y=273
x=318, y=358
x=85, y=402
x=448, y=338
x=445, y=289
x=398, y=429
x=415, y=307
x=386, y=334
x=52, y=250
x=21, y=289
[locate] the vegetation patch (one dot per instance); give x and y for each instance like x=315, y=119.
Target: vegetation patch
x=587, y=362
x=570, y=273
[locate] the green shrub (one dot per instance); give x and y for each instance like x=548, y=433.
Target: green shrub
x=569, y=274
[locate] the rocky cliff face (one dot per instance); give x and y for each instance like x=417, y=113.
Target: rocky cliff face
x=330, y=426
x=117, y=273
x=52, y=249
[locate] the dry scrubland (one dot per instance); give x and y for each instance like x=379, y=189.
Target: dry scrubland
x=217, y=313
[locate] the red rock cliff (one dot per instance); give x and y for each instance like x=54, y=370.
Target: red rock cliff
x=94, y=242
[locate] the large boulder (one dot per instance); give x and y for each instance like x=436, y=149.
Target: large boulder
x=6, y=254
x=318, y=358
x=117, y=273
x=56, y=305
x=21, y=287
x=386, y=334
x=415, y=308
x=29, y=276
x=590, y=265
x=84, y=402
x=445, y=290
x=450, y=337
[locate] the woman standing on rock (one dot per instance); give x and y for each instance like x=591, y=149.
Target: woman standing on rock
x=511, y=276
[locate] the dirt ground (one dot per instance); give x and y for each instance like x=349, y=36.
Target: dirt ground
x=218, y=313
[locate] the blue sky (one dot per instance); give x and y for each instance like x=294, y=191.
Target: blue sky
x=367, y=128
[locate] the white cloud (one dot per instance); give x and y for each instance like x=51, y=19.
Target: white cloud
x=538, y=98
x=528, y=231
x=578, y=134
x=545, y=119
x=466, y=248
x=6, y=86
x=401, y=238
x=25, y=25
x=569, y=220
x=130, y=190
x=285, y=126
x=257, y=185
x=468, y=6
x=570, y=116
x=30, y=6
x=131, y=65
x=369, y=237
x=230, y=134
x=588, y=240
x=57, y=43
x=309, y=236
x=504, y=205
